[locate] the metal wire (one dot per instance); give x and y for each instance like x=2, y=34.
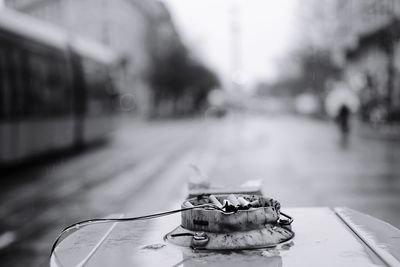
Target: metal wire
x=84, y=223
x=78, y=225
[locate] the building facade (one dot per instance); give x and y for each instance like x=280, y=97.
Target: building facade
x=368, y=40
x=359, y=17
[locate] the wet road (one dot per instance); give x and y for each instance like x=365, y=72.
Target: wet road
x=144, y=168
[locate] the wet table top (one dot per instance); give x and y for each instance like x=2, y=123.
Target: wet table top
x=324, y=237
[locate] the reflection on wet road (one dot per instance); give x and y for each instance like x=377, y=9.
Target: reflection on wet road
x=145, y=168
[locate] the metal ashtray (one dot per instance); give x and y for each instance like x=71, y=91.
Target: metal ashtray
x=231, y=223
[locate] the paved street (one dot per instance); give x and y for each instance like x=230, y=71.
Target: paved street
x=145, y=168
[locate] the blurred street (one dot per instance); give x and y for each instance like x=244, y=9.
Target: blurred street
x=300, y=98
x=145, y=168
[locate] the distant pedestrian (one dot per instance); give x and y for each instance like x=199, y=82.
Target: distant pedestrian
x=342, y=119
x=343, y=123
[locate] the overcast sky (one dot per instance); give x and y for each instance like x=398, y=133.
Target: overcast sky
x=267, y=29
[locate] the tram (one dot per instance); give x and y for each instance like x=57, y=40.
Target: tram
x=56, y=91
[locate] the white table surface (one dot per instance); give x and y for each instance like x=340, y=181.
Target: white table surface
x=324, y=237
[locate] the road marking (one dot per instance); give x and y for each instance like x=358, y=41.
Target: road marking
x=56, y=262
x=91, y=253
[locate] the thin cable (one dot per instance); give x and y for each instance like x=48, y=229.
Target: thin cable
x=78, y=225
x=84, y=223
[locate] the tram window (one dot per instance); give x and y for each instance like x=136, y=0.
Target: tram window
x=97, y=81
x=13, y=89
x=57, y=84
x=8, y=84
x=15, y=75
x=36, y=84
x=5, y=96
x=49, y=85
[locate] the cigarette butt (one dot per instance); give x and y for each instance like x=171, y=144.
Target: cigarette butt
x=243, y=202
x=263, y=202
x=233, y=200
x=255, y=203
x=215, y=201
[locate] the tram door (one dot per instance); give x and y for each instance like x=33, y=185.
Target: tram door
x=8, y=137
x=79, y=96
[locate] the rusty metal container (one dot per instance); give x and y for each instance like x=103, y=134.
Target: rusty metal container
x=217, y=221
